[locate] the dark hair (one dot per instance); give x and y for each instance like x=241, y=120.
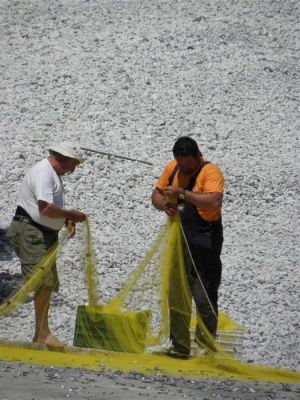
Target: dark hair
x=186, y=146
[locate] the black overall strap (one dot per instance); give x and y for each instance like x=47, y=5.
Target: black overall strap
x=193, y=178
x=174, y=172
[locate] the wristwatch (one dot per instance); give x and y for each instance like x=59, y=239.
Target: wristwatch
x=182, y=195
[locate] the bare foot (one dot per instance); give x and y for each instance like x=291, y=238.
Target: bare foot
x=50, y=340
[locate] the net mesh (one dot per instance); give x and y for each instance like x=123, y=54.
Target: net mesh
x=134, y=327
x=38, y=274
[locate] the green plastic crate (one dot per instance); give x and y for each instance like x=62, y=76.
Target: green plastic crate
x=125, y=332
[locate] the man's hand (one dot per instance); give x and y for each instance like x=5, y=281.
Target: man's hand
x=71, y=227
x=172, y=191
x=76, y=216
x=163, y=202
x=170, y=209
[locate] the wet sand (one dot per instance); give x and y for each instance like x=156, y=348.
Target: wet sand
x=26, y=382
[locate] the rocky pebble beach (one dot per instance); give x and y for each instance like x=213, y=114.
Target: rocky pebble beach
x=129, y=77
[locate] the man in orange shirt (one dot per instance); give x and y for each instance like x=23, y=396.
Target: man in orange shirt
x=193, y=187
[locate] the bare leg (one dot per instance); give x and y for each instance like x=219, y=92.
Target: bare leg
x=41, y=306
x=42, y=331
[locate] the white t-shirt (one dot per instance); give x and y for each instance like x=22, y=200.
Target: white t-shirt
x=42, y=183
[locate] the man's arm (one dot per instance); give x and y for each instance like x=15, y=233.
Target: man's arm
x=160, y=203
x=52, y=211
x=209, y=200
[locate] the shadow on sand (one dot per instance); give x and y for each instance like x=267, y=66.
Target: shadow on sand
x=8, y=282
x=6, y=251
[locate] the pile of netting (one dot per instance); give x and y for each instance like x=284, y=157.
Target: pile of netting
x=137, y=320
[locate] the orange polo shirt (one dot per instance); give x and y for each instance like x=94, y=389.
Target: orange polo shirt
x=210, y=179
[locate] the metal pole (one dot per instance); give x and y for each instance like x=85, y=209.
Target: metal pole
x=115, y=155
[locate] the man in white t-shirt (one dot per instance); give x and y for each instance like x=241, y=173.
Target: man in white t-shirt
x=40, y=215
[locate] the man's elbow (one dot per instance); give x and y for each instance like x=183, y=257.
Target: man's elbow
x=154, y=201
x=154, y=197
x=217, y=201
x=43, y=207
x=217, y=205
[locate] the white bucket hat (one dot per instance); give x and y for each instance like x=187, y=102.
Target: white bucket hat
x=68, y=149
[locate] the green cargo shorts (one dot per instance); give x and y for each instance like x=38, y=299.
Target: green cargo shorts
x=30, y=244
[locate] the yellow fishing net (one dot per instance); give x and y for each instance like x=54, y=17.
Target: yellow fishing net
x=132, y=331
x=138, y=318
x=31, y=284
